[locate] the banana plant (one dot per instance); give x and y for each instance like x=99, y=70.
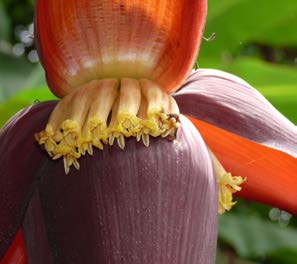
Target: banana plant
x=134, y=163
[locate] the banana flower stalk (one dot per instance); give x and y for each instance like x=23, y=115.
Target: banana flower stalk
x=134, y=162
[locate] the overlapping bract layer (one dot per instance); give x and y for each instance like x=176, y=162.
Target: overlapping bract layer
x=22, y=165
x=133, y=205
x=141, y=205
x=228, y=102
x=262, y=145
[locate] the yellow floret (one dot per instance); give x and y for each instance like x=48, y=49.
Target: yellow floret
x=103, y=111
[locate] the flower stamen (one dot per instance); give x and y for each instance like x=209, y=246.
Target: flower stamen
x=104, y=111
x=227, y=184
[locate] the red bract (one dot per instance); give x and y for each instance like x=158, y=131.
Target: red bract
x=80, y=40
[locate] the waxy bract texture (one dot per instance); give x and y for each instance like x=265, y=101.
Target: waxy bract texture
x=140, y=205
x=79, y=41
x=22, y=164
x=230, y=103
x=248, y=135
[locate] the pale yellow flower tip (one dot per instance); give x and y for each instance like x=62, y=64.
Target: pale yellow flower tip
x=227, y=184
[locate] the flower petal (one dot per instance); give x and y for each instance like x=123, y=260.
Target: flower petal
x=79, y=41
x=140, y=205
x=22, y=164
x=271, y=174
x=228, y=102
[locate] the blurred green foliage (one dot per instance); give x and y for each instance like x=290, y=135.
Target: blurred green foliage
x=255, y=40
x=20, y=13
x=241, y=22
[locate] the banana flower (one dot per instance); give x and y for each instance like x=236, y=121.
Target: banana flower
x=134, y=162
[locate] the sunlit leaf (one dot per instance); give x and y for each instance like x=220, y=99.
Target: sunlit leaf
x=242, y=21
x=21, y=100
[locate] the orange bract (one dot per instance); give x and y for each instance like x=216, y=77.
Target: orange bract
x=82, y=40
x=271, y=174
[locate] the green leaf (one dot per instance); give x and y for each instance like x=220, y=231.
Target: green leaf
x=16, y=74
x=10, y=108
x=243, y=21
x=227, y=256
x=36, y=78
x=5, y=26
x=284, y=98
x=22, y=100
x=283, y=256
x=278, y=83
x=253, y=238
x=254, y=71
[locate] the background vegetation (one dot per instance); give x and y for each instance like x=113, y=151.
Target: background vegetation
x=256, y=40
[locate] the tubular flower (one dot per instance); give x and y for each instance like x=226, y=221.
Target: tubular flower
x=120, y=68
